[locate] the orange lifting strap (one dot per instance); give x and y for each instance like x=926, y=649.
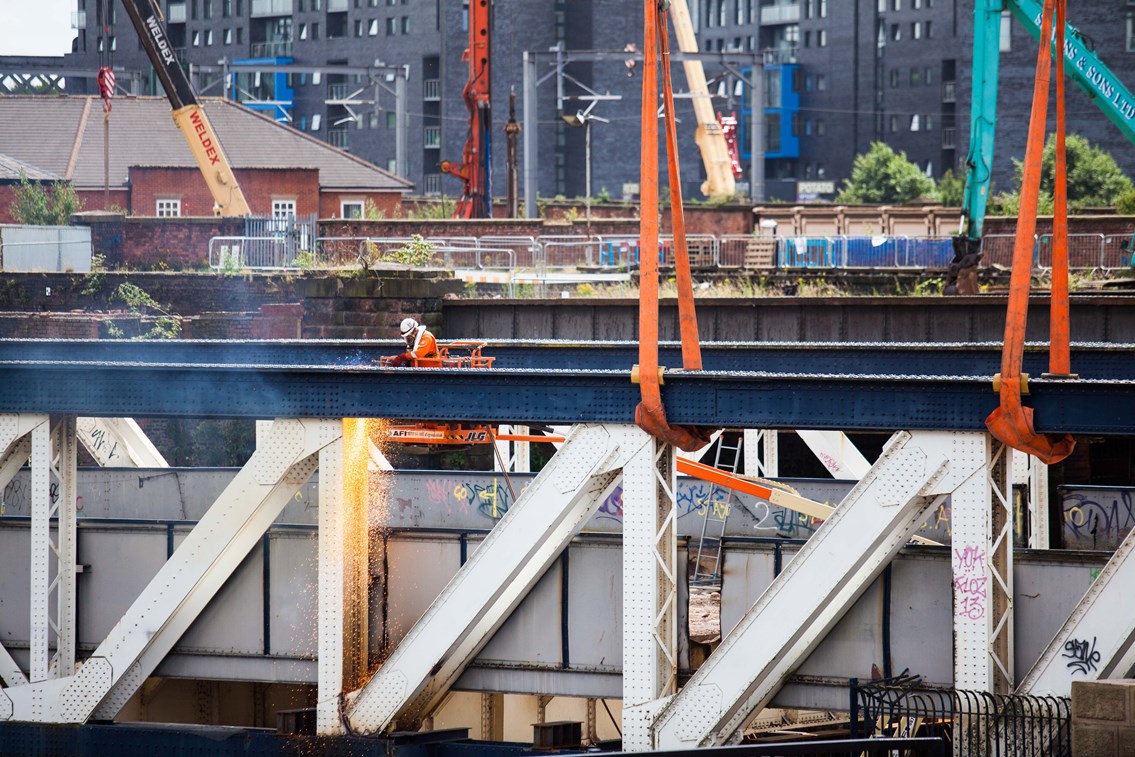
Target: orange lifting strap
x=650, y=414
x=1012, y=422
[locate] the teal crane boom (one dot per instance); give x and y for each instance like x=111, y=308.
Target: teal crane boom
x=1082, y=64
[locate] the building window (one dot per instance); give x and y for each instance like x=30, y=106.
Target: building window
x=208, y=37
x=239, y=35
x=208, y=8
x=405, y=24
x=807, y=38
x=315, y=119
x=391, y=119
x=896, y=5
x=372, y=28
x=927, y=122
x=1006, y=43
x=226, y=8
x=391, y=26
x=916, y=30
x=894, y=123
x=372, y=120
x=896, y=32
x=915, y=76
x=315, y=30
x=303, y=31
x=822, y=38
x=894, y=78
x=914, y=122
x=358, y=27
x=928, y=75
x=113, y=43
x=197, y=39
x=823, y=6
x=228, y=36
x=168, y=208
x=284, y=208
x=821, y=82
x=808, y=5
x=351, y=208
x=821, y=127
x=929, y=29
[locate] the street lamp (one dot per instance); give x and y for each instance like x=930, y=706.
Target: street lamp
x=582, y=119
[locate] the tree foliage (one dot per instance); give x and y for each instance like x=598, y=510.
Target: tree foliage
x=1094, y=179
x=883, y=176
x=951, y=190
x=44, y=205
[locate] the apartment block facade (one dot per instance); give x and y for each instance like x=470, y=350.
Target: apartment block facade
x=837, y=74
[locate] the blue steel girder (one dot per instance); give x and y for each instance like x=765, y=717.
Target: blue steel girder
x=721, y=399
x=1090, y=360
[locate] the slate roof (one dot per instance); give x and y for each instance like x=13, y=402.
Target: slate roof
x=10, y=169
x=64, y=136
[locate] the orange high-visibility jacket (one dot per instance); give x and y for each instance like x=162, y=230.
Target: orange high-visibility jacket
x=425, y=345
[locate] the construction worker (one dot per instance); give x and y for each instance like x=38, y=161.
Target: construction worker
x=420, y=343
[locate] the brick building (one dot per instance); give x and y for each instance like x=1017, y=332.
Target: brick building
x=839, y=74
x=151, y=171
x=10, y=176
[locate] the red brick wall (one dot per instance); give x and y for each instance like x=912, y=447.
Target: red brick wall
x=7, y=197
x=151, y=243
x=96, y=199
x=260, y=187
x=388, y=204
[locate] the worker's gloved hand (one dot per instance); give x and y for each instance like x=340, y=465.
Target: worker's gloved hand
x=399, y=360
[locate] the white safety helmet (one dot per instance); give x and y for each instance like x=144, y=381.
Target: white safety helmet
x=409, y=325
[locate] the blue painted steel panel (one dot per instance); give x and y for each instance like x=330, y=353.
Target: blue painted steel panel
x=734, y=400
x=1098, y=361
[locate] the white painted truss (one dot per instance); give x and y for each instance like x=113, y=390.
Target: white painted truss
x=478, y=600
x=182, y=587
x=119, y=443
x=916, y=471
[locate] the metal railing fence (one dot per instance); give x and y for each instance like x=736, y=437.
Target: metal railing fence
x=275, y=250
x=1085, y=252
x=973, y=723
